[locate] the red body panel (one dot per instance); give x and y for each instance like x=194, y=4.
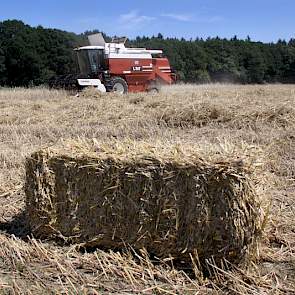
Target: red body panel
x=163, y=70
x=141, y=73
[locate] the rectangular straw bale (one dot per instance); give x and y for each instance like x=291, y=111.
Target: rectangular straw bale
x=165, y=199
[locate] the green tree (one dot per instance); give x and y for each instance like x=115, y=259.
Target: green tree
x=255, y=68
x=2, y=68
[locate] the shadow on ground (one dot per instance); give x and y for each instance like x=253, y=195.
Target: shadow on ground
x=17, y=226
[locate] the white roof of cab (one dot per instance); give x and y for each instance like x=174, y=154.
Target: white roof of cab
x=114, y=48
x=90, y=47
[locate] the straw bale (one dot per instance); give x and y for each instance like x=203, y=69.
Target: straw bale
x=163, y=198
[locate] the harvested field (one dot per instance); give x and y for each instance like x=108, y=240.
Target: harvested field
x=252, y=125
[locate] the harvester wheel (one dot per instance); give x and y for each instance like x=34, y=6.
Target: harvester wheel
x=118, y=85
x=154, y=87
x=154, y=90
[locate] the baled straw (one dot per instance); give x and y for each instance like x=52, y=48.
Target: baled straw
x=163, y=198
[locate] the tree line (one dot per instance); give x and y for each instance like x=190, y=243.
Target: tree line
x=32, y=55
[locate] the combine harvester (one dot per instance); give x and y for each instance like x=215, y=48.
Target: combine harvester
x=111, y=67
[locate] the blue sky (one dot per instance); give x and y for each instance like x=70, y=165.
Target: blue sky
x=264, y=20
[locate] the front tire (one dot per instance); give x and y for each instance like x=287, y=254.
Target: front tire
x=118, y=85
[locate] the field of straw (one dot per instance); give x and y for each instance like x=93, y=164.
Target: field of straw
x=252, y=125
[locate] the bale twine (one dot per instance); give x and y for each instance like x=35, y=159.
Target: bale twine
x=164, y=199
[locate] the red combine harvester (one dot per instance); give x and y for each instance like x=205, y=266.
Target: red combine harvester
x=112, y=67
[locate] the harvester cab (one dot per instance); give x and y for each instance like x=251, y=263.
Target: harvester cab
x=113, y=67
x=91, y=59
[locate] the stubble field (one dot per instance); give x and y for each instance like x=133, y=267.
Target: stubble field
x=244, y=123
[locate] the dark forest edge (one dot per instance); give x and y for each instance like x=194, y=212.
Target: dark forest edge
x=30, y=56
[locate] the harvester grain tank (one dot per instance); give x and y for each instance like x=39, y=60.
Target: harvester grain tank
x=113, y=67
